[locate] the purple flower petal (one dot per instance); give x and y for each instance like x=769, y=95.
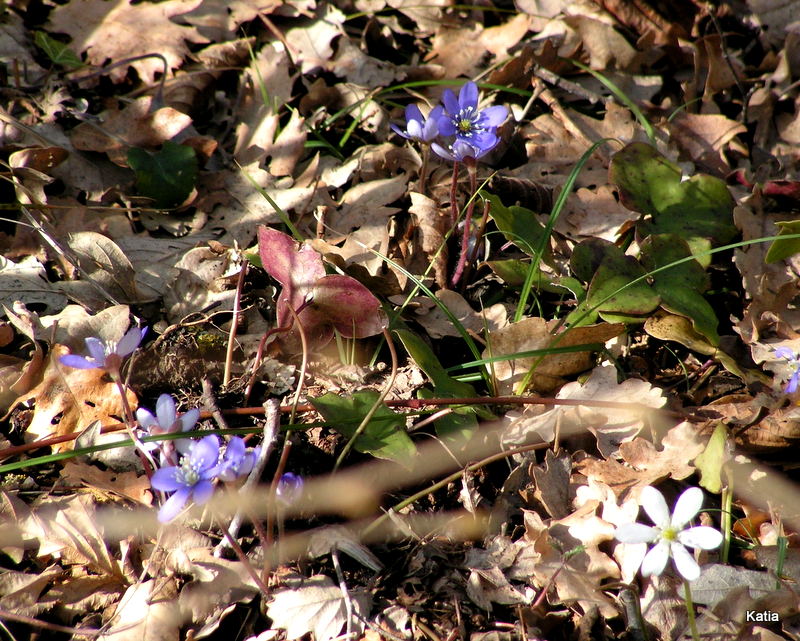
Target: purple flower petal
x=189, y=419
x=399, y=131
x=205, y=452
x=146, y=420
x=468, y=96
x=413, y=114
x=130, y=341
x=494, y=116
x=450, y=103
x=791, y=386
x=173, y=505
x=97, y=350
x=167, y=479
x=446, y=126
x=414, y=128
x=165, y=411
x=202, y=491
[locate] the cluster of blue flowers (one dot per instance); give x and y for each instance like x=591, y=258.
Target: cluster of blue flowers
x=189, y=468
x=465, y=130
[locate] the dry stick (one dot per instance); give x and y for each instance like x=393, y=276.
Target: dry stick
x=273, y=496
x=384, y=393
x=226, y=376
x=237, y=550
x=453, y=189
x=303, y=363
x=348, y=603
x=271, y=427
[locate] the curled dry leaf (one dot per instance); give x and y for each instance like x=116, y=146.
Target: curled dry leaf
x=81, y=396
x=611, y=426
x=535, y=334
x=315, y=605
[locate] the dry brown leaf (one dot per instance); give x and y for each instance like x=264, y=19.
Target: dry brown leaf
x=68, y=528
x=146, y=612
x=534, y=334
x=20, y=592
x=437, y=324
x=606, y=47
x=552, y=484
x=594, y=213
x=315, y=605
x=218, y=20
x=218, y=585
x=611, y=426
x=105, y=271
x=129, y=485
x=311, y=45
x=644, y=464
x=111, y=31
x=203, y=277
x=431, y=221
x=705, y=137
x=134, y=125
x=81, y=396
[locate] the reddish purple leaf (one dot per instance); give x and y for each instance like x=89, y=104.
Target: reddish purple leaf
x=334, y=301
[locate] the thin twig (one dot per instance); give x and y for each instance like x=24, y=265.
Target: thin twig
x=348, y=603
x=237, y=550
x=226, y=376
x=271, y=427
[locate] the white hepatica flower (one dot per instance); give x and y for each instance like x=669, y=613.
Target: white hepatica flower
x=669, y=534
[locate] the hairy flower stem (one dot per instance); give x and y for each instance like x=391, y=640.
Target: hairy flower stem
x=687, y=591
x=130, y=422
x=423, y=172
x=453, y=193
x=237, y=550
x=473, y=187
x=260, y=351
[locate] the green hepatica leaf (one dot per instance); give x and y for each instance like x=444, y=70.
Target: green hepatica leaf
x=384, y=437
x=784, y=247
x=698, y=208
x=680, y=286
x=520, y=226
x=610, y=289
x=167, y=176
x=59, y=53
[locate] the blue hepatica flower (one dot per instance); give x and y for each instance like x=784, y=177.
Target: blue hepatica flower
x=418, y=127
x=290, y=487
x=193, y=478
x=459, y=151
x=794, y=361
x=237, y=461
x=166, y=421
x=463, y=119
x=106, y=355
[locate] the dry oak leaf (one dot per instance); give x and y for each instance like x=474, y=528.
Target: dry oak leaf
x=81, y=396
x=112, y=31
x=135, y=125
x=644, y=464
